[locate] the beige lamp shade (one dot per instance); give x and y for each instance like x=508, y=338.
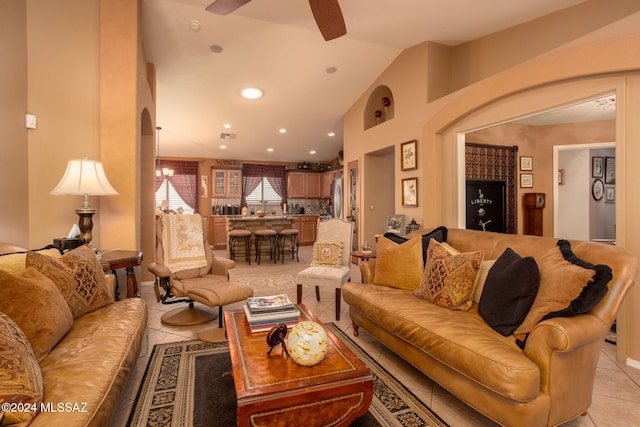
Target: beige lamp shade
x=84, y=177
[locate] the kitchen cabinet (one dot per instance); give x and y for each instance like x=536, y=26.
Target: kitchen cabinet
x=218, y=232
x=226, y=183
x=309, y=185
x=326, y=184
x=307, y=226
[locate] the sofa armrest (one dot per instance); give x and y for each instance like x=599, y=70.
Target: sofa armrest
x=159, y=270
x=367, y=269
x=566, y=350
x=222, y=266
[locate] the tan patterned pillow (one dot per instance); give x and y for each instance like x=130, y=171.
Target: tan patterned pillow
x=327, y=254
x=448, y=279
x=79, y=277
x=21, y=381
x=29, y=293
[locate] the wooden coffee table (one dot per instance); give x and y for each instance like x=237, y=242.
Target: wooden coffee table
x=274, y=390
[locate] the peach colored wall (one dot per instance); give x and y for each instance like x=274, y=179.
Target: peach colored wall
x=538, y=142
x=63, y=91
x=14, y=178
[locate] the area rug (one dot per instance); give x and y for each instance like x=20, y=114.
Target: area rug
x=269, y=284
x=189, y=383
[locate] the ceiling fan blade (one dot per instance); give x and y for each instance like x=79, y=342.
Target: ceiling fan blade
x=223, y=7
x=329, y=18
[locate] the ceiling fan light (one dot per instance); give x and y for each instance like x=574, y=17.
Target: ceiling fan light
x=252, y=93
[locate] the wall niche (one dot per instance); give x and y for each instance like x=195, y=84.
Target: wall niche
x=379, y=107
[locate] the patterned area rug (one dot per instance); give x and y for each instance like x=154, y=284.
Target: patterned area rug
x=269, y=284
x=189, y=384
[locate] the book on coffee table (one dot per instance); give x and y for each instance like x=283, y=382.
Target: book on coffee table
x=270, y=304
x=263, y=322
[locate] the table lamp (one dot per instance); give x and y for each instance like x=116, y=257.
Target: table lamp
x=86, y=178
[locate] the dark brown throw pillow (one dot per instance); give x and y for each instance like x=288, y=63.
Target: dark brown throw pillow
x=568, y=286
x=509, y=291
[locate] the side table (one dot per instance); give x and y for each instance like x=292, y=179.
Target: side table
x=116, y=259
x=359, y=255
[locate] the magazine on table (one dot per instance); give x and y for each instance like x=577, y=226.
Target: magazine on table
x=270, y=304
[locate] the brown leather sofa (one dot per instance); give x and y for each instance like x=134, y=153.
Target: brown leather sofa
x=86, y=372
x=547, y=384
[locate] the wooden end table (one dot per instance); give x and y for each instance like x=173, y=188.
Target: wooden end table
x=275, y=390
x=114, y=260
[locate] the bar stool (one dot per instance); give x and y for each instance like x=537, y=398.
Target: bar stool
x=236, y=236
x=271, y=236
x=288, y=235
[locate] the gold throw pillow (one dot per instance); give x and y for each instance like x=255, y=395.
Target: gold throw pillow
x=327, y=254
x=398, y=265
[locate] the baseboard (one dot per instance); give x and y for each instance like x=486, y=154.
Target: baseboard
x=146, y=283
x=633, y=363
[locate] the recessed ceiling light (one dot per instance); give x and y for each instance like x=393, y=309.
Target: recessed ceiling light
x=312, y=152
x=223, y=147
x=331, y=70
x=227, y=126
x=269, y=149
x=251, y=93
x=283, y=130
x=331, y=134
x=195, y=26
x=216, y=48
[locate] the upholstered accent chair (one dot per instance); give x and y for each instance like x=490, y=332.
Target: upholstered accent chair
x=208, y=285
x=331, y=264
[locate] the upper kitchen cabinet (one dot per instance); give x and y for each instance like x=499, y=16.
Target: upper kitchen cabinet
x=309, y=185
x=226, y=183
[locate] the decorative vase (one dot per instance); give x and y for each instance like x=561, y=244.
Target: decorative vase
x=307, y=343
x=366, y=249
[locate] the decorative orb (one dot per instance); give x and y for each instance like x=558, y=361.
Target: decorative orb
x=307, y=343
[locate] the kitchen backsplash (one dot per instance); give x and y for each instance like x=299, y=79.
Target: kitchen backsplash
x=294, y=206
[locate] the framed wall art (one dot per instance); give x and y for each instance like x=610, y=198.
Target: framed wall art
x=609, y=170
x=526, y=180
x=409, y=155
x=597, y=167
x=597, y=190
x=609, y=194
x=204, y=186
x=526, y=163
x=410, y=192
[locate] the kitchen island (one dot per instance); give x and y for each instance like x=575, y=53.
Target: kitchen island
x=221, y=225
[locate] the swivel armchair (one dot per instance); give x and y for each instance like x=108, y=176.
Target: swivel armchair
x=208, y=285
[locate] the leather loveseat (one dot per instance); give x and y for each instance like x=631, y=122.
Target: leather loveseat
x=547, y=382
x=77, y=364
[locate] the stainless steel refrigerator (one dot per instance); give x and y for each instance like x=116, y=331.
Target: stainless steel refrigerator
x=337, y=199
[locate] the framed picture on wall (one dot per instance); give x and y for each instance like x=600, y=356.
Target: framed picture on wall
x=526, y=180
x=597, y=167
x=204, y=186
x=609, y=170
x=526, y=163
x=410, y=192
x=609, y=194
x=409, y=155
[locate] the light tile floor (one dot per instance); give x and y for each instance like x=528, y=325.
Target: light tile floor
x=616, y=395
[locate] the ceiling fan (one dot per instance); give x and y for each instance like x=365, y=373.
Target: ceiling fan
x=327, y=14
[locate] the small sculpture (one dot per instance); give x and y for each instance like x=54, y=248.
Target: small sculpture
x=277, y=336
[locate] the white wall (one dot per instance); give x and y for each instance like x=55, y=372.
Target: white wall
x=573, y=195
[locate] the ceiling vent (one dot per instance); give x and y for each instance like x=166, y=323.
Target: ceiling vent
x=226, y=135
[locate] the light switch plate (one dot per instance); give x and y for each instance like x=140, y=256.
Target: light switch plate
x=30, y=121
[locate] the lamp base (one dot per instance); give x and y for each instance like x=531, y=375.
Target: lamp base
x=85, y=223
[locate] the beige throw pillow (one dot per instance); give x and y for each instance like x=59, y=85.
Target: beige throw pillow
x=21, y=379
x=449, y=279
x=38, y=308
x=79, y=276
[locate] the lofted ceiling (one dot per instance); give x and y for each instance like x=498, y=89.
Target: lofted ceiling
x=204, y=60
